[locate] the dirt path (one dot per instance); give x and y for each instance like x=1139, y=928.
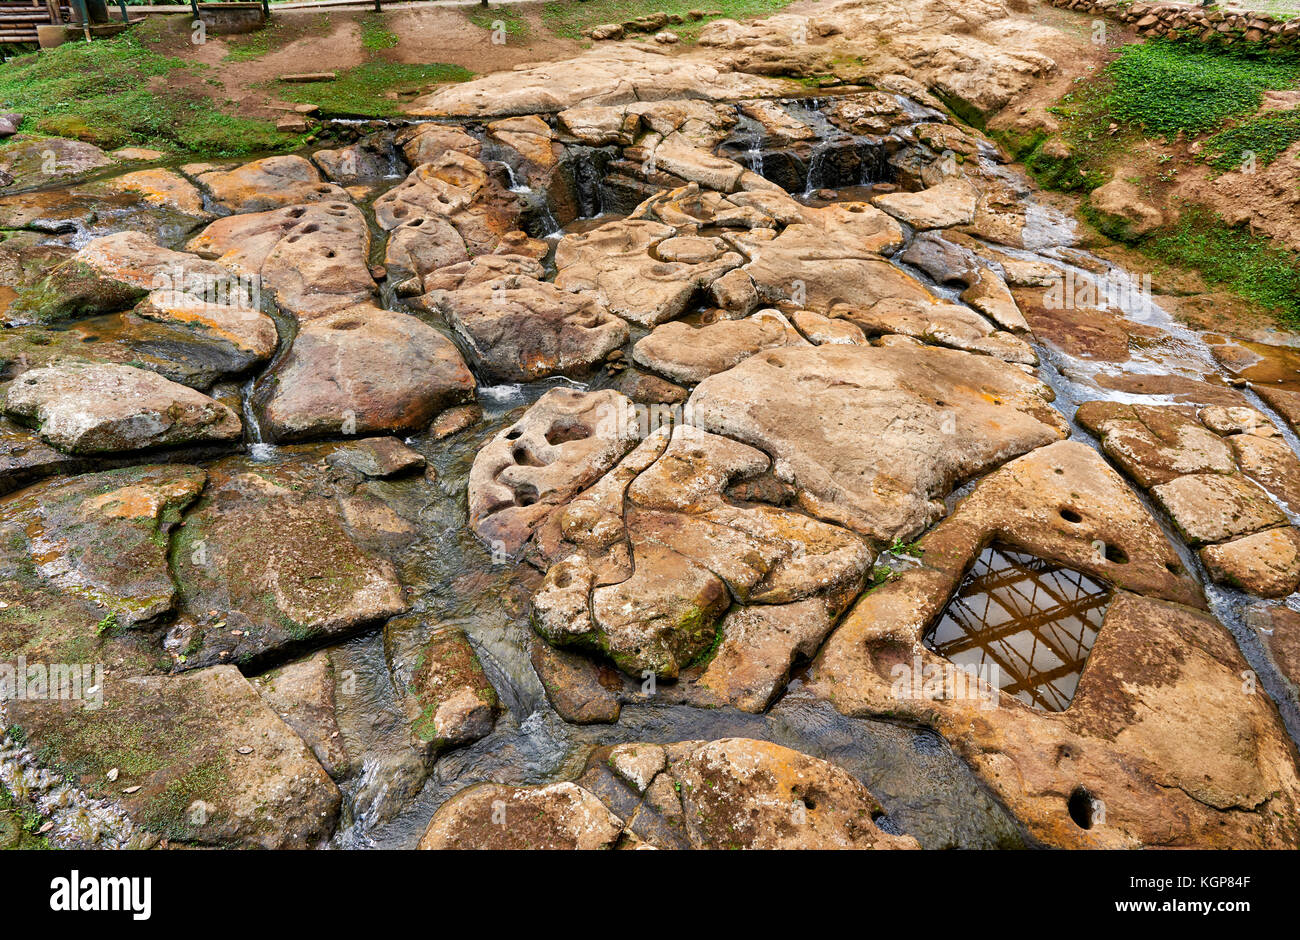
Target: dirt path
x=310, y=40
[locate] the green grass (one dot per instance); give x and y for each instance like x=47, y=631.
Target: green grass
x=1265, y=136
x=1085, y=131
x=375, y=35
x=568, y=19
x=246, y=46
x=515, y=23
x=1250, y=265
x=1166, y=87
x=360, y=91
x=100, y=92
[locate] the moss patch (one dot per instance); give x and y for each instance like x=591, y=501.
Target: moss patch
x=1250, y=265
x=19, y=825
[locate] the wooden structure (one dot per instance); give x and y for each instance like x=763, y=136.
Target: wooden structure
x=19, y=18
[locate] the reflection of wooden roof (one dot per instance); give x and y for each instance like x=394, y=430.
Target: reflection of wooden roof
x=1035, y=620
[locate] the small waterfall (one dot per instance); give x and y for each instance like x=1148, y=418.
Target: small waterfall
x=588, y=169
x=754, y=155
x=515, y=185
x=873, y=166
x=817, y=168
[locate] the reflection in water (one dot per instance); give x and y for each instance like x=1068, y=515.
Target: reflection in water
x=1034, y=620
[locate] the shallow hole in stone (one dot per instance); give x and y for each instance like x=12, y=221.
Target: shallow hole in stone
x=522, y=457
x=1082, y=807
x=1024, y=624
x=1069, y=515
x=525, y=494
x=1115, y=554
x=563, y=433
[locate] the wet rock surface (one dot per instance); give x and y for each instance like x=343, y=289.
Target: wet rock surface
x=362, y=370
x=726, y=794
x=631, y=458
x=90, y=408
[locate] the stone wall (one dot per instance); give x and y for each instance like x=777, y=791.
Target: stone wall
x=1182, y=21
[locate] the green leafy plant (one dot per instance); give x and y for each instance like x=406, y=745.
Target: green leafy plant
x=1265, y=136
x=1250, y=265
x=1166, y=87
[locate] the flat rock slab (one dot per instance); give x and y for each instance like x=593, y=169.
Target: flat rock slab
x=882, y=432
x=1156, y=443
x=733, y=793
x=1159, y=730
x=95, y=408
x=269, y=184
x=599, y=77
x=312, y=257
x=268, y=561
x=950, y=203
x=199, y=759
x=363, y=370
x=445, y=211
x=640, y=269
x=377, y=457
x=690, y=354
x=303, y=695
x=110, y=274
x=646, y=563
x=559, y=816
x=1209, y=507
x=449, y=699
x=562, y=444
x=520, y=329
x=185, y=339
x=946, y=324
x=1266, y=564
x=48, y=160
x=105, y=536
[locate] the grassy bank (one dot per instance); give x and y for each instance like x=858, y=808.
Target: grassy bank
x=567, y=19
x=1170, y=94
x=117, y=92
x=362, y=91
x=1252, y=266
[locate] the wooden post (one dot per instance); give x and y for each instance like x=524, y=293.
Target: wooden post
x=80, y=7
